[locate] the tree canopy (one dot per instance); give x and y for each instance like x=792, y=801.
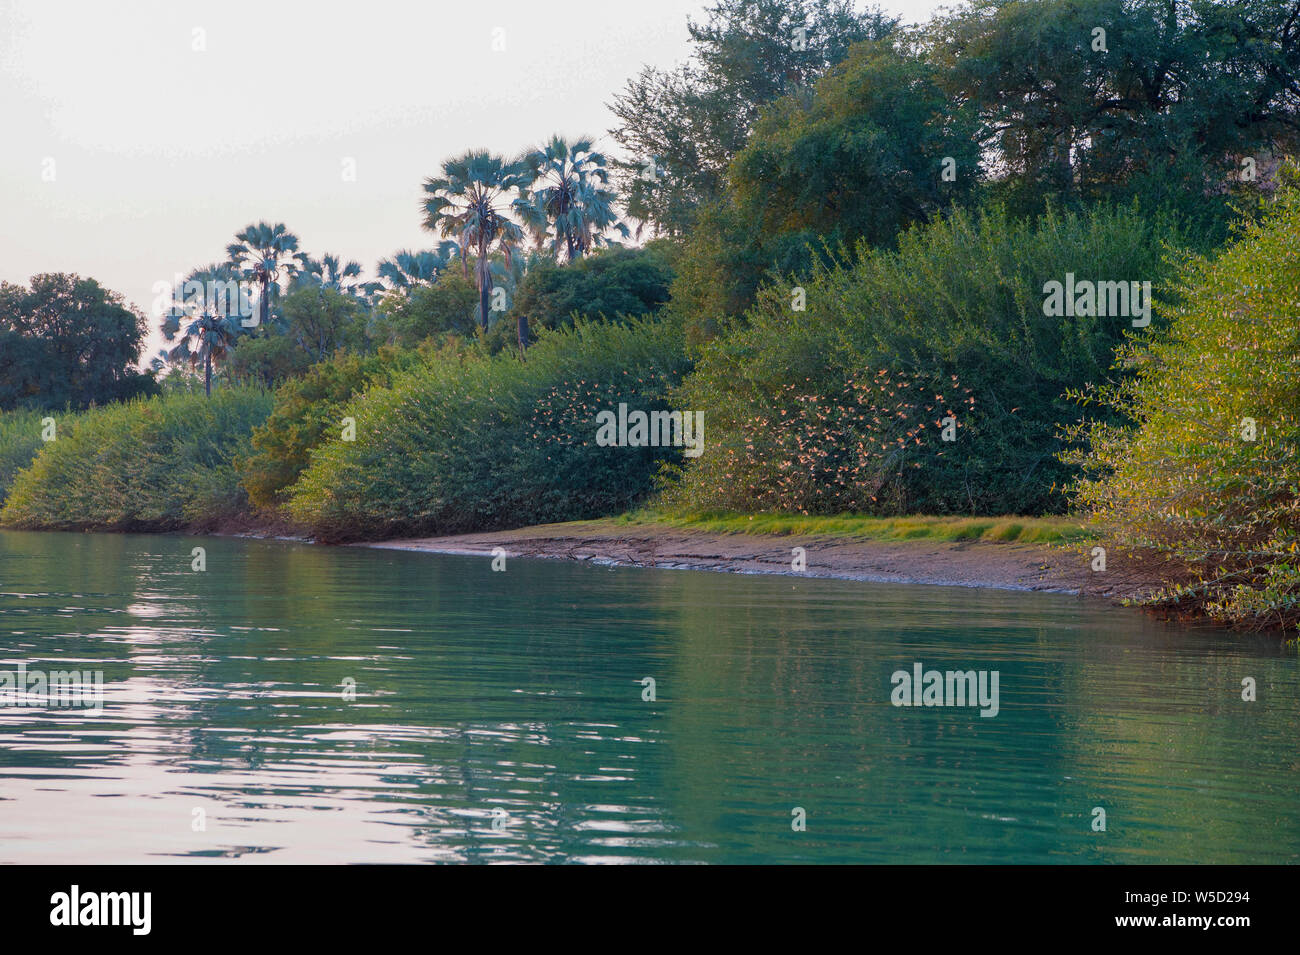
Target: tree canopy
x=682, y=127
x=67, y=341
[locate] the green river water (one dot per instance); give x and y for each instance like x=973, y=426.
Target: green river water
x=500, y=716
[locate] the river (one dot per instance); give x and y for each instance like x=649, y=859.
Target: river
x=295, y=703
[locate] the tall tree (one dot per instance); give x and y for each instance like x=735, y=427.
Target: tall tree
x=407, y=269
x=571, y=206
x=265, y=254
x=330, y=272
x=471, y=201
x=1092, y=98
x=202, y=320
x=67, y=340
x=682, y=127
x=876, y=146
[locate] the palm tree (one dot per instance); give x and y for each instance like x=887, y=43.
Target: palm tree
x=407, y=269
x=329, y=272
x=263, y=252
x=204, y=320
x=572, y=206
x=510, y=275
x=470, y=201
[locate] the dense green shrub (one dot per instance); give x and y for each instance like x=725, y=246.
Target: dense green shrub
x=407, y=317
x=265, y=360
x=158, y=464
x=305, y=408
x=1205, y=470
x=956, y=313
x=723, y=262
x=495, y=442
x=310, y=324
x=607, y=284
x=20, y=441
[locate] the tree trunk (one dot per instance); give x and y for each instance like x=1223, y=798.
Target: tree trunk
x=207, y=374
x=523, y=335
x=484, y=293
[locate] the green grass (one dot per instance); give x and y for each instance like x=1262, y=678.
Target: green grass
x=1009, y=529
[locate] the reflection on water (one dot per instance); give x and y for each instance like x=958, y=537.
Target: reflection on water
x=499, y=716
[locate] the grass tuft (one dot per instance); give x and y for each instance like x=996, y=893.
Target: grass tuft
x=1009, y=529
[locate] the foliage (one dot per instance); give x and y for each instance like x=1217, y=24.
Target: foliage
x=409, y=317
x=265, y=254
x=822, y=454
x=20, y=441
x=471, y=201
x=861, y=155
x=957, y=308
x=407, y=269
x=684, y=126
x=65, y=341
x=159, y=464
x=609, y=284
x=495, y=442
x=1182, y=92
x=305, y=409
x=724, y=261
x=569, y=206
x=316, y=321
x=331, y=273
x=265, y=360
x=1204, y=468
x=205, y=319
x=320, y=321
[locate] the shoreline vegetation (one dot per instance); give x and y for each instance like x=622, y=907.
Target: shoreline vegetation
x=878, y=271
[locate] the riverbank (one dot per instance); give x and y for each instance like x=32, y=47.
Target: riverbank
x=1055, y=567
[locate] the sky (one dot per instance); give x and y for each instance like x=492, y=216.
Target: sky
x=137, y=138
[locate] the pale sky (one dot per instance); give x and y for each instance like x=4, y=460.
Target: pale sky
x=128, y=155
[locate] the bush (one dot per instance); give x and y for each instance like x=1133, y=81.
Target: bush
x=409, y=316
x=20, y=442
x=608, y=284
x=495, y=442
x=312, y=323
x=264, y=360
x=305, y=409
x=1205, y=470
x=955, y=319
x=159, y=464
x=724, y=261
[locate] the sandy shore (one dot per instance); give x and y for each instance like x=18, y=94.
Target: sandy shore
x=966, y=564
